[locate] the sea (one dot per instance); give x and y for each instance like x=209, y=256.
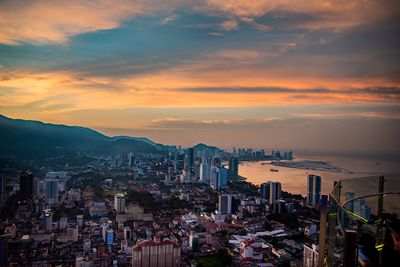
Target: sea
x=363, y=178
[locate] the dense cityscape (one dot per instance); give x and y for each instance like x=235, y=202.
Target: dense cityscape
x=199, y=133
x=184, y=207
x=109, y=210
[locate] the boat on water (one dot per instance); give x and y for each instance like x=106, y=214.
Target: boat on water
x=274, y=170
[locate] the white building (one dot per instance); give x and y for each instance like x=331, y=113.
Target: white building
x=219, y=178
x=185, y=176
x=310, y=256
x=251, y=250
x=119, y=203
x=205, y=171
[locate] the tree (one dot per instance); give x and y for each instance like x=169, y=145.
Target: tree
x=224, y=256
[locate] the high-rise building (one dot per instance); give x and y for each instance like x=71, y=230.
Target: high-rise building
x=345, y=220
x=109, y=236
x=265, y=190
x=194, y=241
x=39, y=187
x=219, y=178
x=63, y=223
x=169, y=175
x=156, y=253
x=361, y=209
x=2, y=189
x=274, y=192
x=314, y=190
x=47, y=220
x=185, y=176
x=86, y=246
x=236, y=201
x=233, y=173
x=52, y=190
x=79, y=220
x=119, y=203
x=26, y=185
x=205, y=171
x=310, y=256
x=127, y=233
x=275, y=196
x=225, y=204
x=131, y=159
x=191, y=156
x=189, y=159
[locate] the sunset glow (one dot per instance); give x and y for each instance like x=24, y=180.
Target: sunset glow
x=210, y=64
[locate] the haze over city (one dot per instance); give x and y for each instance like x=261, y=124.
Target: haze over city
x=311, y=75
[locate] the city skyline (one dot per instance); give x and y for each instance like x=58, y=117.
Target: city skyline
x=302, y=75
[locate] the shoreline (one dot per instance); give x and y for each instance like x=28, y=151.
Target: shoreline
x=313, y=165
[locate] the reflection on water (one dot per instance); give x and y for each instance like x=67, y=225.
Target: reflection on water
x=295, y=180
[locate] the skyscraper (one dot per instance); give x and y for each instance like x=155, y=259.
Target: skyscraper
x=52, y=191
x=233, y=168
x=265, y=190
x=26, y=185
x=219, y=178
x=119, y=203
x=314, y=190
x=361, y=209
x=274, y=195
x=225, y=204
x=189, y=159
x=275, y=192
x=131, y=159
x=205, y=171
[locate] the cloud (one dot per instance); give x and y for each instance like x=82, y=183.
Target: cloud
x=385, y=92
x=326, y=14
x=55, y=22
x=190, y=124
x=230, y=25
x=169, y=19
x=42, y=22
x=256, y=25
x=250, y=90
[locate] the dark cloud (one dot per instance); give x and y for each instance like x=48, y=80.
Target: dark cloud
x=394, y=92
x=242, y=90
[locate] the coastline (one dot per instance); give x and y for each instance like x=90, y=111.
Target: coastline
x=314, y=165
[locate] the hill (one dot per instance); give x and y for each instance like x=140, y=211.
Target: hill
x=34, y=139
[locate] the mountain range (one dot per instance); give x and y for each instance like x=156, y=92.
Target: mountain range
x=34, y=139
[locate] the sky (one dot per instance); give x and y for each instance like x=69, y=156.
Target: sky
x=286, y=74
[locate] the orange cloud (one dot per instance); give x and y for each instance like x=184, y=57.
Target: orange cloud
x=334, y=14
x=55, y=92
x=40, y=21
x=56, y=21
